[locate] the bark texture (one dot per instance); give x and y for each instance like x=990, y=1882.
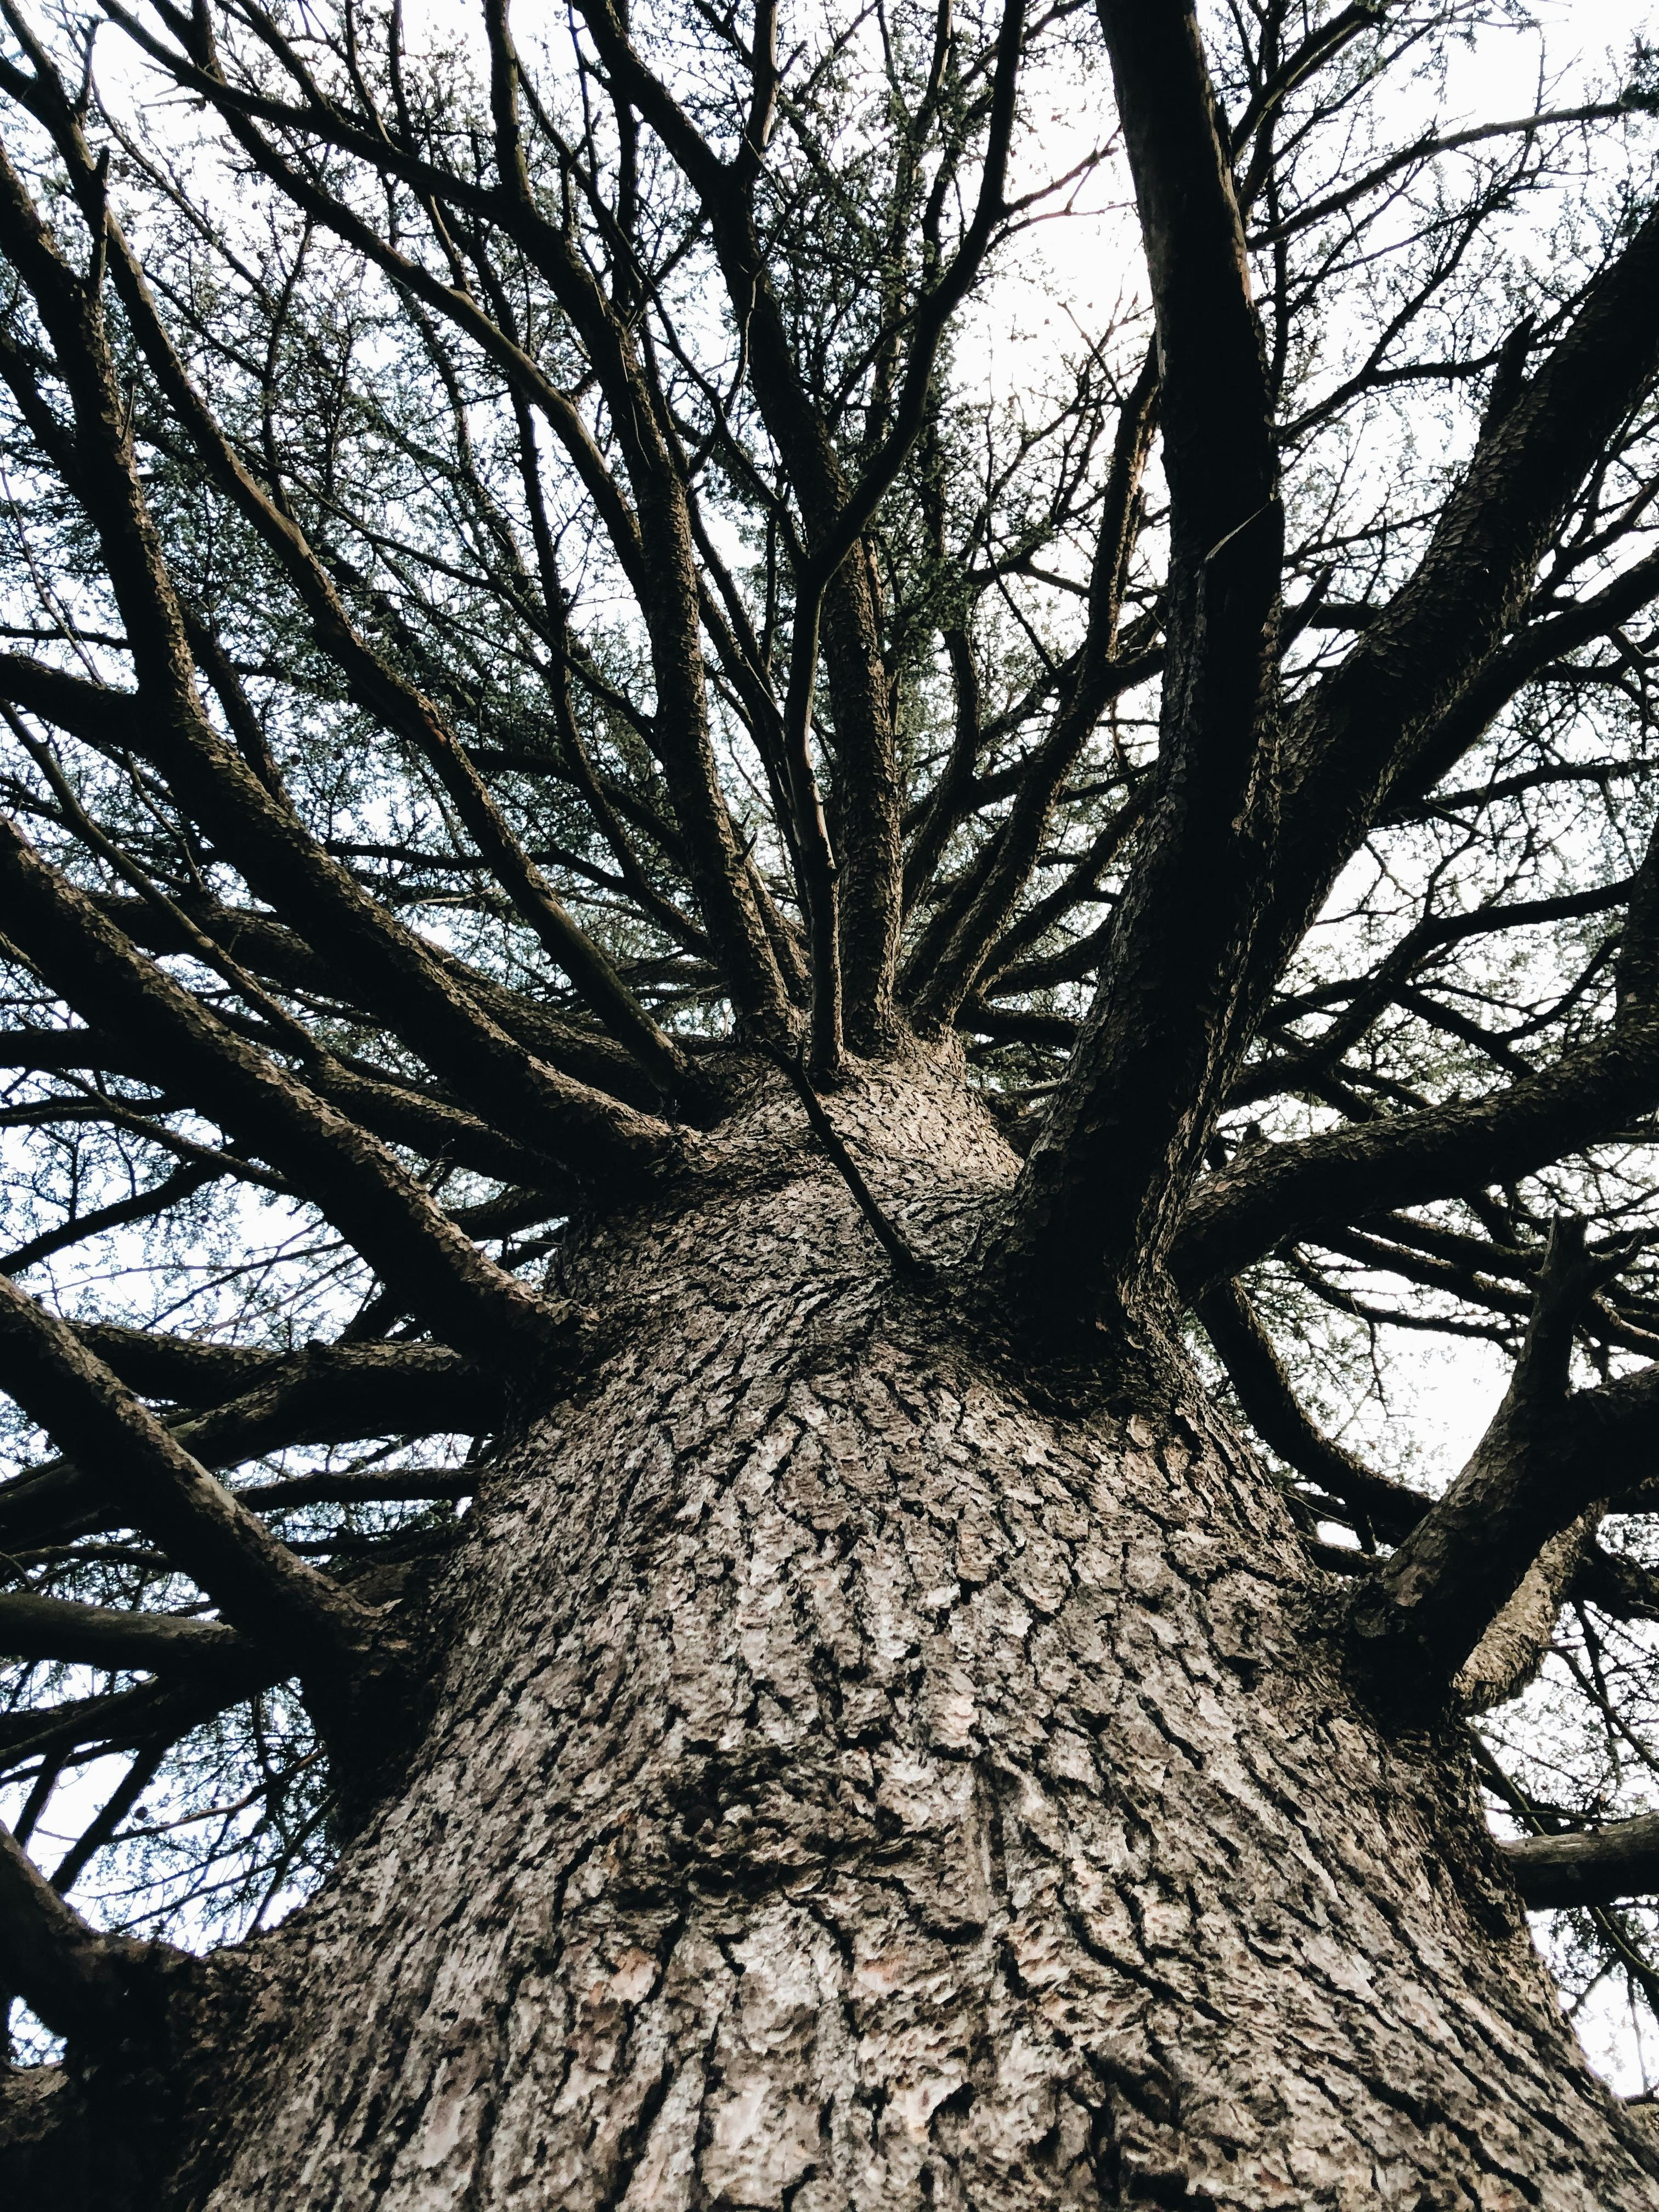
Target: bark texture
x=1514, y=1648
x=859, y=1781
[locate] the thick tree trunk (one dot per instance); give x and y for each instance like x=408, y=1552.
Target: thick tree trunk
x=859, y=1779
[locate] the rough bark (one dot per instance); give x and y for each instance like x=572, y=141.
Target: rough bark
x=1514, y=1646
x=859, y=1778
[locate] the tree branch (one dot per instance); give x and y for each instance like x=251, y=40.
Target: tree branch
x=279, y=858
x=1563, y=1873
x=856, y=924
x=184, y=1182
x=149, y=1479
x=355, y=1183
x=1254, y=1370
x=373, y=681
x=34, y=1627
x=326, y=1394
x=1295, y=1190
x=1097, y=1200
x=1542, y=1465
x=83, y=1985
x=286, y=957
x=1364, y=733
x=955, y=949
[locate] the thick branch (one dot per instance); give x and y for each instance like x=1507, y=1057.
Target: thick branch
x=1516, y=1641
x=1366, y=734
x=82, y=1984
x=1255, y=1370
x=1285, y=1192
x=356, y=1183
x=1097, y=1200
x=1560, y=1873
x=326, y=1394
x=254, y=1579
x=393, y=1485
x=1542, y=1465
x=32, y=1627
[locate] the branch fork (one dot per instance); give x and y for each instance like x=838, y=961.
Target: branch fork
x=1535, y=1472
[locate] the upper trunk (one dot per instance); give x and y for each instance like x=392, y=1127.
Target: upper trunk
x=859, y=1778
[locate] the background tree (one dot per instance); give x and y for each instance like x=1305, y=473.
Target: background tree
x=637, y=903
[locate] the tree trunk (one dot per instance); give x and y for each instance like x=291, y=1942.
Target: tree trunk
x=861, y=1779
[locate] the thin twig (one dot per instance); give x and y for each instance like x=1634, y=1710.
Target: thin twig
x=905, y=1261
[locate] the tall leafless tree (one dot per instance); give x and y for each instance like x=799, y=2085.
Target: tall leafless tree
x=698, y=1011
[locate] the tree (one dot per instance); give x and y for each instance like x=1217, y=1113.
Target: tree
x=803, y=983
